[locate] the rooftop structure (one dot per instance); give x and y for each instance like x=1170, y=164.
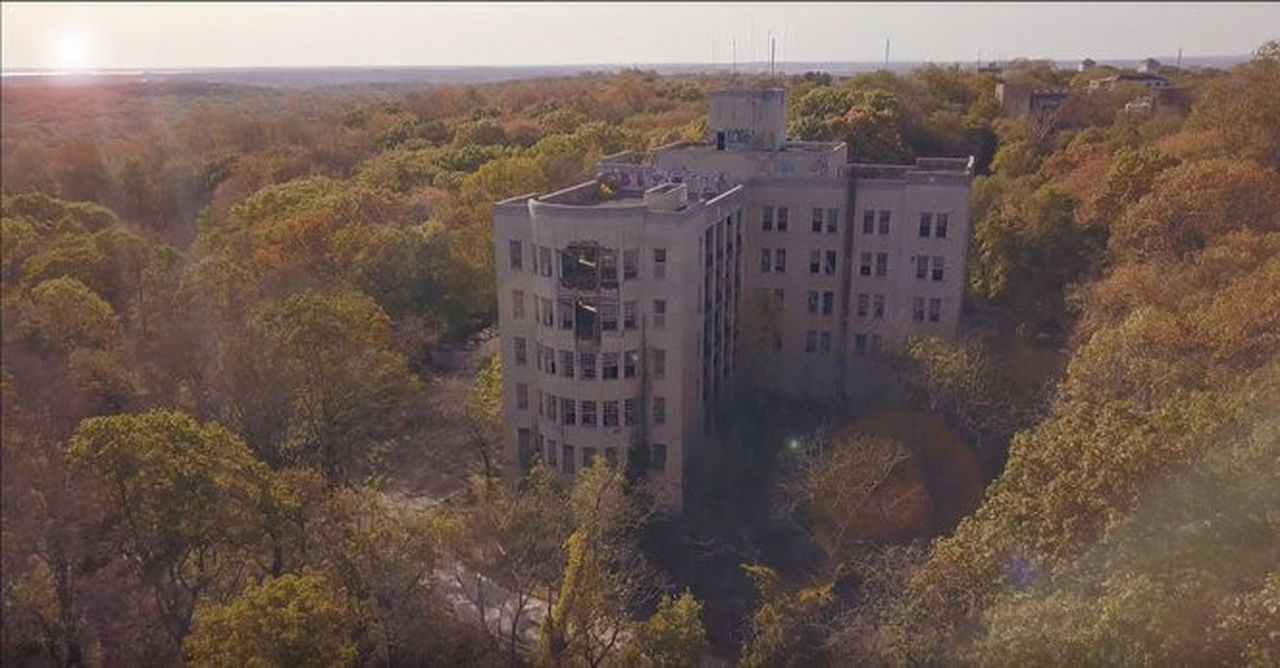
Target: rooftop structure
x=747, y=262
x=1023, y=100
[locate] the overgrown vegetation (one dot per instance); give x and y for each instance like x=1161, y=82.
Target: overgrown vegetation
x=220, y=307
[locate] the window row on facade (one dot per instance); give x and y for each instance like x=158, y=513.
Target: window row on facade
x=588, y=314
x=574, y=413
x=565, y=456
x=879, y=222
x=582, y=365
x=584, y=265
x=774, y=260
x=821, y=220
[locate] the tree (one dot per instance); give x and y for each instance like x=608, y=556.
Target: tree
x=790, y=626
x=187, y=497
x=484, y=416
x=672, y=637
x=65, y=314
x=331, y=356
x=291, y=620
x=514, y=535
x=873, y=130
x=854, y=488
x=605, y=577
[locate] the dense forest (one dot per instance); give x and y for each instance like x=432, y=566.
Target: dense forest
x=227, y=437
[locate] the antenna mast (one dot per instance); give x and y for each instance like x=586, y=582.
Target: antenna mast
x=886, y=53
x=772, y=44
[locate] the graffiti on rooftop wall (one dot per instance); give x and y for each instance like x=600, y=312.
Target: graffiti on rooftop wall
x=736, y=136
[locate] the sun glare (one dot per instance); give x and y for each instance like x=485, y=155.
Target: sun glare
x=73, y=49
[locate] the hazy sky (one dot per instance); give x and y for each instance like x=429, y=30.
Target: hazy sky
x=152, y=35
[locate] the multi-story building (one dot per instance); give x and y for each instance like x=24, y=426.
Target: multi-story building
x=631, y=304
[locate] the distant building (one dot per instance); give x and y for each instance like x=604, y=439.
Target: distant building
x=1142, y=105
x=1086, y=64
x=1149, y=66
x=1020, y=100
x=633, y=304
x=1153, y=82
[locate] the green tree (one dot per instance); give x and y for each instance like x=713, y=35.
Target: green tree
x=484, y=416
x=65, y=314
x=291, y=620
x=187, y=497
x=673, y=637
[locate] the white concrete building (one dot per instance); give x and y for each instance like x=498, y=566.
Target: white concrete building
x=630, y=305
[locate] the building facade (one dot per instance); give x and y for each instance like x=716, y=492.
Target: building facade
x=630, y=305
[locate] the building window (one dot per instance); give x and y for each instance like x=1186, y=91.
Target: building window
x=778, y=294
x=940, y=230
x=608, y=269
x=659, y=363
x=766, y=260
x=567, y=460
x=552, y=405
x=879, y=307
x=522, y=351
x=865, y=270
x=517, y=304
x=926, y=221
x=658, y=457
x=860, y=344
x=549, y=361
x=548, y=315
x=884, y=222
x=629, y=309
x=659, y=410
x=817, y=220
x=828, y=302
x=629, y=412
x=780, y=260
x=659, y=263
x=659, y=313
x=868, y=221
x=815, y=261
x=782, y=219
x=610, y=366
x=922, y=266
x=630, y=362
x=882, y=264
x=522, y=396
x=813, y=302
x=610, y=413
x=832, y=222
x=810, y=341
x=588, y=413
x=864, y=301
x=937, y=268
x=831, y=263
x=516, y=251
x=552, y=459
x=588, y=363
x=766, y=219
x=935, y=310
x=567, y=412
x=542, y=411
x=566, y=363
x=544, y=260
x=825, y=346
x=566, y=313
x=611, y=457
x=875, y=344
x=609, y=317
x=524, y=442
x=917, y=309
x=630, y=264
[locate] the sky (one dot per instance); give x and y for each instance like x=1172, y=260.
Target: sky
x=83, y=36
